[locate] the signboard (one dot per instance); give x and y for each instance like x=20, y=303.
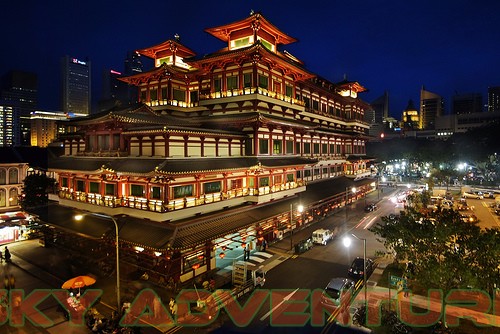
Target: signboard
x=395, y=279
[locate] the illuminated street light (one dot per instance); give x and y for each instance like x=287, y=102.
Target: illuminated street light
x=79, y=218
x=347, y=243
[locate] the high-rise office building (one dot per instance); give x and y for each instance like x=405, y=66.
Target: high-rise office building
x=114, y=92
x=381, y=107
x=431, y=107
x=9, y=131
x=494, y=98
x=20, y=92
x=467, y=103
x=133, y=65
x=76, y=85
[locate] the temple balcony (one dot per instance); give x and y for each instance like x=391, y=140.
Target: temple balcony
x=175, y=103
x=206, y=99
x=102, y=153
x=358, y=174
x=175, y=208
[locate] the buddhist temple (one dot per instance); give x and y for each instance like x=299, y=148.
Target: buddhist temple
x=211, y=138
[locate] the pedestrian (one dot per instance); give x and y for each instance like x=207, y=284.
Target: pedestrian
x=7, y=254
x=172, y=306
x=12, y=281
x=405, y=286
x=264, y=245
x=1, y=256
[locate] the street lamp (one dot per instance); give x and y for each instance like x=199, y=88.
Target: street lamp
x=300, y=208
x=353, y=189
x=80, y=217
x=347, y=243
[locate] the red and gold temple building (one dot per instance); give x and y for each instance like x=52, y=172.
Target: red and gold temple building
x=239, y=127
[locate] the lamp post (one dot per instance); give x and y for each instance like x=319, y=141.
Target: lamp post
x=80, y=217
x=353, y=189
x=300, y=208
x=347, y=243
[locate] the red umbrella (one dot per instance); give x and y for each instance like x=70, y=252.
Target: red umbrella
x=78, y=282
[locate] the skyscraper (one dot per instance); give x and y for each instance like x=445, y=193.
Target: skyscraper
x=19, y=92
x=76, y=85
x=133, y=65
x=7, y=126
x=494, y=98
x=431, y=107
x=381, y=107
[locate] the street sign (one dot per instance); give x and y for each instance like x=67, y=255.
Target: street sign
x=394, y=280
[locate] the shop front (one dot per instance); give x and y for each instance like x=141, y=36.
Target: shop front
x=16, y=226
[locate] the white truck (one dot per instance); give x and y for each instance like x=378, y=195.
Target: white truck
x=323, y=236
x=244, y=274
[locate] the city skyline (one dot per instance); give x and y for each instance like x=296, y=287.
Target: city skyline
x=446, y=47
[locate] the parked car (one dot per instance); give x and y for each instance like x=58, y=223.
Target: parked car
x=463, y=206
x=489, y=194
x=303, y=246
x=356, y=269
x=338, y=291
x=371, y=207
x=475, y=195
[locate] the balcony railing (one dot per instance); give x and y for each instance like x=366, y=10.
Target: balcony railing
x=175, y=103
x=157, y=205
x=248, y=91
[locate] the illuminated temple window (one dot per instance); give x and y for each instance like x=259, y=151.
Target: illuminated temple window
x=241, y=42
x=267, y=44
x=166, y=60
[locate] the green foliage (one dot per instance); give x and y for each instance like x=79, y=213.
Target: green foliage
x=35, y=190
x=447, y=252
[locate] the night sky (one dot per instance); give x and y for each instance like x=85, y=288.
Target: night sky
x=387, y=45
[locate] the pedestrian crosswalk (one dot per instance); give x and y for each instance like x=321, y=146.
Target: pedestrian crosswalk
x=255, y=259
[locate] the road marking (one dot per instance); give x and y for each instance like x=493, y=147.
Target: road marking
x=370, y=223
x=287, y=297
x=294, y=256
x=361, y=222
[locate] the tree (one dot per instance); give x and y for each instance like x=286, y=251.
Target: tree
x=447, y=251
x=35, y=190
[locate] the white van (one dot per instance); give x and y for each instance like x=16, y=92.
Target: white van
x=322, y=236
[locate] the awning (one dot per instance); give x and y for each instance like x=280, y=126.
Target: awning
x=8, y=216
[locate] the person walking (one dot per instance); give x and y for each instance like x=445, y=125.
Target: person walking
x=7, y=254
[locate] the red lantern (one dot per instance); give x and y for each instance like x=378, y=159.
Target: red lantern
x=243, y=245
x=223, y=248
x=196, y=266
x=200, y=257
x=222, y=255
x=243, y=239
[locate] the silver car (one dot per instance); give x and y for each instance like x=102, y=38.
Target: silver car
x=338, y=291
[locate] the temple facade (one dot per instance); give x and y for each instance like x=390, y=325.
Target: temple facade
x=239, y=127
